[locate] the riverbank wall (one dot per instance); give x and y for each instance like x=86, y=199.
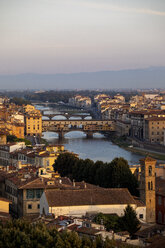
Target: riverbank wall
x=148, y=146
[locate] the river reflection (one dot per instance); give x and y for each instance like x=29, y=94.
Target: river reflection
x=98, y=148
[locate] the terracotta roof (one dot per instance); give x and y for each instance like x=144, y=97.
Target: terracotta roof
x=72, y=227
x=155, y=119
x=88, y=231
x=44, y=154
x=45, y=183
x=152, y=229
x=4, y=216
x=84, y=185
x=80, y=197
x=32, y=183
x=4, y=199
x=139, y=202
x=66, y=180
x=150, y=111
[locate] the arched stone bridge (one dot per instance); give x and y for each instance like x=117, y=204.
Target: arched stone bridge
x=87, y=126
x=66, y=115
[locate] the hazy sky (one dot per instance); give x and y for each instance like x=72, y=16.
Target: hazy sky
x=61, y=36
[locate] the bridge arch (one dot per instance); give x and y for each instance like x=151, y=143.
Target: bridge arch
x=75, y=117
x=73, y=134
x=88, y=117
x=59, y=117
x=45, y=117
x=50, y=135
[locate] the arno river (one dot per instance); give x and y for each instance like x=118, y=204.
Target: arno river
x=98, y=148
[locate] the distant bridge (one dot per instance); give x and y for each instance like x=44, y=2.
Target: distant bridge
x=44, y=103
x=66, y=115
x=87, y=126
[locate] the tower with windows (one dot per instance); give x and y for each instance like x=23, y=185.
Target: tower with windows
x=147, y=187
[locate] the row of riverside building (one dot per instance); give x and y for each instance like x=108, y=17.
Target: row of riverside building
x=19, y=121
x=141, y=118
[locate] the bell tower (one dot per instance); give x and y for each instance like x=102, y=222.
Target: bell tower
x=147, y=187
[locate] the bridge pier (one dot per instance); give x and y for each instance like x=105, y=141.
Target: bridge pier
x=61, y=135
x=89, y=135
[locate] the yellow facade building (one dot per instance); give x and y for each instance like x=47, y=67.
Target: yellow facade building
x=18, y=130
x=46, y=160
x=47, y=157
x=4, y=205
x=154, y=130
x=55, y=148
x=33, y=121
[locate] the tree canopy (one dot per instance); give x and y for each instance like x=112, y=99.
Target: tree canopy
x=22, y=234
x=13, y=138
x=127, y=222
x=130, y=221
x=115, y=174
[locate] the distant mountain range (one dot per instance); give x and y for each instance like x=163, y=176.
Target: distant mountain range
x=153, y=77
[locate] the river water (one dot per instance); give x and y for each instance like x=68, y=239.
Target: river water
x=98, y=148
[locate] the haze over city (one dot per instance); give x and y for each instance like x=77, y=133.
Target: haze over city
x=82, y=123
x=72, y=36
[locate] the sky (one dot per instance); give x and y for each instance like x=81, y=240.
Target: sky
x=70, y=36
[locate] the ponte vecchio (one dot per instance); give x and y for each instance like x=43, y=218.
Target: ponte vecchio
x=87, y=126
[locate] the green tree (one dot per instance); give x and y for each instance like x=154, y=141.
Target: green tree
x=13, y=138
x=130, y=221
x=111, y=222
x=115, y=174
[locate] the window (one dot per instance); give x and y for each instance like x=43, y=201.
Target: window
x=150, y=170
x=159, y=200
x=29, y=194
x=38, y=206
x=149, y=186
x=140, y=216
x=39, y=193
x=160, y=217
x=29, y=206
